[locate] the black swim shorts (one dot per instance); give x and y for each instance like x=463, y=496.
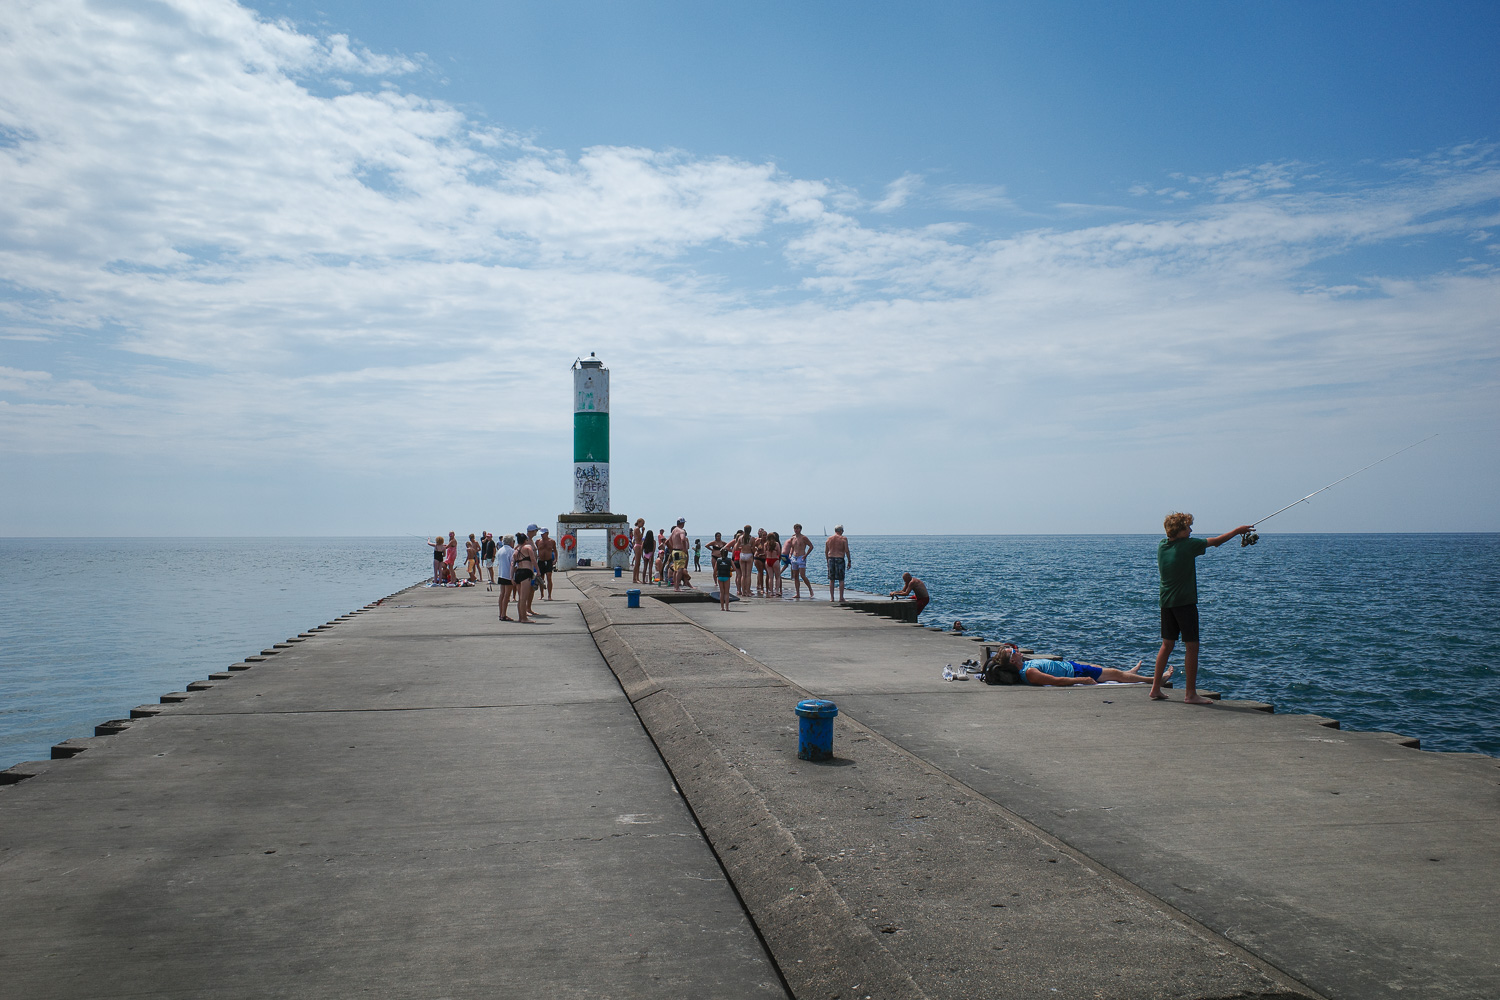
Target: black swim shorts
x=835, y=569
x=1180, y=620
x=544, y=566
x=522, y=575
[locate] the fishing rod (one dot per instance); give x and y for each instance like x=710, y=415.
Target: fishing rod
x=1251, y=538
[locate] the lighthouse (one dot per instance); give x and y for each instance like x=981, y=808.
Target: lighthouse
x=590, y=437
x=591, y=470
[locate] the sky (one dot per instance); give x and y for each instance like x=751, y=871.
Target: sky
x=323, y=268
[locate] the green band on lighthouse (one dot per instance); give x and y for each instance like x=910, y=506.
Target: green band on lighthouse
x=591, y=437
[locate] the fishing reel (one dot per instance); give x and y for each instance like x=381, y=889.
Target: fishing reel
x=1248, y=538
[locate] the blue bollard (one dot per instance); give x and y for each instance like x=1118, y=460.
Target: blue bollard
x=632, y=598
x=815, y=729
x=617, y=572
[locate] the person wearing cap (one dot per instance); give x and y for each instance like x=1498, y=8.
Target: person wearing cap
x=836, y=550
x=487, y=555
x=677, y=542
x=546, y=560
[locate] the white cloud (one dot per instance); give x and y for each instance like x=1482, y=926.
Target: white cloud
x=898, y=192
x=975, y=197
x=208, y=247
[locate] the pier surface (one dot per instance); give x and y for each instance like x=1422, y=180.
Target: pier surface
x=422, y=801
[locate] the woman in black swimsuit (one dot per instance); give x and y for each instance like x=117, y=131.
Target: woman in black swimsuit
x=523, y=569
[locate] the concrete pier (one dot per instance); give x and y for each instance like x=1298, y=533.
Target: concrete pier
x=419, y=800
x=1079, y=839
x=416, y=801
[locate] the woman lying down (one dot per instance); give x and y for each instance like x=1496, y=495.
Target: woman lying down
x=1007, y=666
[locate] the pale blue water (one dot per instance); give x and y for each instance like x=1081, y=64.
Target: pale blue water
x=1394, y=632
x=1382, y=632
x=90, y=628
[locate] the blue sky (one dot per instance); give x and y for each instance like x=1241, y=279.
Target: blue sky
x=311, y=269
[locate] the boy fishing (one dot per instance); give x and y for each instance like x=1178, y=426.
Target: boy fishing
x=1176, y=559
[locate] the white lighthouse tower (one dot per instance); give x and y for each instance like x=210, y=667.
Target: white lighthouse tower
x=591, y=470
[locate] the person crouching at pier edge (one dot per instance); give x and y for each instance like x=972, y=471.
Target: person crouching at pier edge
x=916, y=588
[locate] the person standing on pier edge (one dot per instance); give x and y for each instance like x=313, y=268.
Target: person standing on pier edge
x=697, y=554
x=1176, y=561
x=637, y=548
x=836, y=549
x=798, y=546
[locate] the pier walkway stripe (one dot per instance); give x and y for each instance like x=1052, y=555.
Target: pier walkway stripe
x=419, y=801
x=1000, y=841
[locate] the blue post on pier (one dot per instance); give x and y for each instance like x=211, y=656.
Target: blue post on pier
x=815, y=729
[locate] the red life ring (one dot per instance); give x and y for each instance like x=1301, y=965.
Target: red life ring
x=569, y=541
x=621, y=543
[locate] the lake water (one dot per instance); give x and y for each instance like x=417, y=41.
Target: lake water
x=1382, y=632
x=1394, y=632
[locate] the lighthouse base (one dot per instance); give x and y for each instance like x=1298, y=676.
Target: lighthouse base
x=616, y=538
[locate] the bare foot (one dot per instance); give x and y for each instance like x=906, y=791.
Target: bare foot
x=1157, y=695
x=1166, y=674
x=1197, y=699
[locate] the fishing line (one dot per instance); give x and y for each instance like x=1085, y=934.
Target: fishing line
x=1250, y=538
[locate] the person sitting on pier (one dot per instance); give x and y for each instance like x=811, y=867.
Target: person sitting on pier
x=916, y=588
x=1008, y=666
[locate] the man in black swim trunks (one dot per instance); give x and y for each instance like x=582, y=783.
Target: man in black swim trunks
x=546, y=556
x=1176, y=560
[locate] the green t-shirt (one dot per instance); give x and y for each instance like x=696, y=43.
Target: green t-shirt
x=1179, y=573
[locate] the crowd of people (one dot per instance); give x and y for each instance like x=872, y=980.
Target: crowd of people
x=755, y=562
x=521, y=565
